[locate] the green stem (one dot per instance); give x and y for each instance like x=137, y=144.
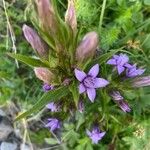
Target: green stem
x=102, y=15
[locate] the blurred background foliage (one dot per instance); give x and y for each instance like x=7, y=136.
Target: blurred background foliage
x=15, y=79
x=126, y=23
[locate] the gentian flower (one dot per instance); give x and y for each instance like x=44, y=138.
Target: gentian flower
x=87, y=47
x=132, y=71
x=70, y=17
x=47, y=87
x=89, y=82
x=141, y=82
x=44, y=74
x=53, y=107
x=119, y=61
x=124, y=106
x=116, y=96
x=53, y=124
x=36, y=42
x=95, y=135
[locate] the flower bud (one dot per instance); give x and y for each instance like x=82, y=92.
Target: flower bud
x=116, y=95
x=46, y=14
x=70, y=16
x=119, y=100
x=44, y=74
x=87, y=47
x=141, y=82
x=47, y=87
x=36, y=42
x=81, y=106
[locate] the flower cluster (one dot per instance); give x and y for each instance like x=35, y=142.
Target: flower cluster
x=64, y=62
x=121, y=63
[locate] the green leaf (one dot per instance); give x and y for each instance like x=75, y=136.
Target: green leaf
x=51, y=141
x=147, y=2
x=28, y=60
x=75, y=92
x=45, y=99
x=4, y=75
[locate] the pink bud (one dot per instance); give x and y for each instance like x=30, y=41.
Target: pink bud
x=36, y=42
x=70, y=16
x=44, y=74
x=141, y=82
x=46, y=14
x=87, y=47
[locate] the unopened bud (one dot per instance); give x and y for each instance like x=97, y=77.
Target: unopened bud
x=141, y=82
x=81, y=106
x=46, y=14
x=70, y=16
x=44, y=74
x=87, y=47
x=119, y=100
x=36, y=42
x=116, y=95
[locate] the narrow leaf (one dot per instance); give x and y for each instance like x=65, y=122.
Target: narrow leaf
x=4, y=75
x=53, y=95
x=28, y=60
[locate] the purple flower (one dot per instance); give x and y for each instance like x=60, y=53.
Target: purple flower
x=95, y=135
x=119, y=61
x=116, y=96
x=141, y=82
x=124, y=106
x=89, y=82
x=53, y=107
x=81, y=106
x=47, y=87
x=53, y=124
x=132, y=71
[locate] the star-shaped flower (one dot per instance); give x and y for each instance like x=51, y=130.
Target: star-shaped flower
x=95, y=135
x=132, y=71
x=89, y=82
x=119, y=61
x=53, y=124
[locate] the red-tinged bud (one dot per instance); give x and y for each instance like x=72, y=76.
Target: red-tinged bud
x=141, y=82
x=46, y=14
x=87, y=47
x=44, y=74
x=36, y=42
x=70, y=16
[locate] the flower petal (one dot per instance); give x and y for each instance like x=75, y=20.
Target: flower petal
x=50, y=105
x=111, y=62
x=80, y=75
x=140, y=71
x=91, y=94
x=127, y=65
x=120, y=69
x=100, y=82
x=88, y=133
x=102, y=134
x=123, y=59
x=94, y=71
x=81, y=88
x=116, y=56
